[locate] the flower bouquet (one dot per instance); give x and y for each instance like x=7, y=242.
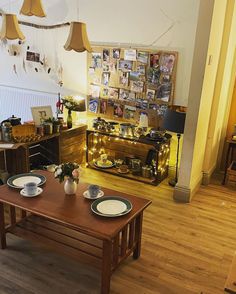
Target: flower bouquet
x=73, y=104
x=69, y=170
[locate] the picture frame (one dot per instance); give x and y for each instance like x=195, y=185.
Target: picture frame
x=167, y=63
x=124, y=79
x=113, y=93
x=116, y=53
x=124, y=94
x=155, y=60
x=105, y=78
x=32, y=56
x=142, y=57
x=136, y=86
x=150, y=94
x=125, y=65
x=106, y=55
x=96, y=60
x=93, y=105
x=103, y=106
x=118, y=110
x=130, y=54
x=94, y=91
x=41, y=113
x=129, y=112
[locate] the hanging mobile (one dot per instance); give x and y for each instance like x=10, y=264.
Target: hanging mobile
x=14, y=69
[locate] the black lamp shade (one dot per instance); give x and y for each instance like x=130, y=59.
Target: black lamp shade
x=174, y=121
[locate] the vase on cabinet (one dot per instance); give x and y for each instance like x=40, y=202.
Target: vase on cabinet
x=69, y=120
x=70, y=186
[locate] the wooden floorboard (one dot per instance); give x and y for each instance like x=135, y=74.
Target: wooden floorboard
x=186, y=248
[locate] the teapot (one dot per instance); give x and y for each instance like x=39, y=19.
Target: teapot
x=14, y=121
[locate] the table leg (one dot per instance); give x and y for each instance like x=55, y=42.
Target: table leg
x=3, y=243
x=106, y=266
x=12, y=214
x=138, y=235
x=23, y=213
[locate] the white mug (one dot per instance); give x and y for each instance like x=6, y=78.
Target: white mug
x=93, y=190
x=30, y=188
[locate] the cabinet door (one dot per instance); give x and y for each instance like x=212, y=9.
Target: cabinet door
x=72, y=143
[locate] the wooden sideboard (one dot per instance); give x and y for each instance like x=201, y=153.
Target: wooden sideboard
x=56, y=148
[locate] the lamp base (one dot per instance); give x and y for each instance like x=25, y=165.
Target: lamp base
x=172, y=182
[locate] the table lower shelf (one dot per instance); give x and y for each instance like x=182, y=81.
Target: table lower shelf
x=71, y=242
x=60, y=238
x=114, y=171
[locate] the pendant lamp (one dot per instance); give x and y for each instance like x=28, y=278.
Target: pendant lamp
x=32, y=7
x=10, y=28
x=78, y=39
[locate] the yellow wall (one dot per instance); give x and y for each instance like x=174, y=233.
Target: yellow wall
x=221, y=94
x=206, y=113
x=198, y=109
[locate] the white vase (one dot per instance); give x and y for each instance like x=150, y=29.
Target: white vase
x=70, y=187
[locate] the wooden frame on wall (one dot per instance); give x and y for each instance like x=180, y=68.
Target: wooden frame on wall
x=136, y=80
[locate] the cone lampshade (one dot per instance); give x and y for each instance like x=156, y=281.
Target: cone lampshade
x=32, y=7
x=78, y=39
x=10, y=28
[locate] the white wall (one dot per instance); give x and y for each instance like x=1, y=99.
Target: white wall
x=168, y=24
x=165, y=24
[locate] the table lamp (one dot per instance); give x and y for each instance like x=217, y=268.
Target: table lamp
x=174, y=122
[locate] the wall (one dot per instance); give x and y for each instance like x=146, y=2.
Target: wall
x=162, y=24
x=49, y=44
x=222, y=92
x=198, y=113
x=212, y=104
x=165, y=24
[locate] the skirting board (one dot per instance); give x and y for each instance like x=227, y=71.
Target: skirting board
x=185, y=194
x=206, y=176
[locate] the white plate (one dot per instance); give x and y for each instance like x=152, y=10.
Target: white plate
x=39, y=191
x=111, y=206
x=87, y=195
x=18, y=181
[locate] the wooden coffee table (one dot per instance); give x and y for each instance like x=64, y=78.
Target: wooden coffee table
x=67, y=224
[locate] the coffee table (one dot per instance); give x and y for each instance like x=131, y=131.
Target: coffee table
x=66, y=224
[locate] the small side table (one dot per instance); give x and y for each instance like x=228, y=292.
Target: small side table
x=229, y=155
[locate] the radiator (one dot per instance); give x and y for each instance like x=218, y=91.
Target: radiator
x=19, y=102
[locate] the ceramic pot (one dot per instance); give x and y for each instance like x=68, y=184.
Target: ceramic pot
x=70, y=187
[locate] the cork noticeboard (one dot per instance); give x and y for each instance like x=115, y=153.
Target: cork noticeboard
x=124, y=82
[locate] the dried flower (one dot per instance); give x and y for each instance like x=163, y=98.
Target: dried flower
x=67, y=170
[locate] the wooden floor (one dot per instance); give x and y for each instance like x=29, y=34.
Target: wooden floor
x=186, y=248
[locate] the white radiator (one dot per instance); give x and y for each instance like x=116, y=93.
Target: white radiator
x=19, y=102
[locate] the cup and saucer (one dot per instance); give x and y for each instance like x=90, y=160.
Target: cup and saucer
x=93, y=192
x=123, y=169
x=31, y=190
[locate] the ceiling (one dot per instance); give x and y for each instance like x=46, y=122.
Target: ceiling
x=57, y=11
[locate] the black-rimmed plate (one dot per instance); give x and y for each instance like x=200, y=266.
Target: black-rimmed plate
x=18, y=181
x=111, y=206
